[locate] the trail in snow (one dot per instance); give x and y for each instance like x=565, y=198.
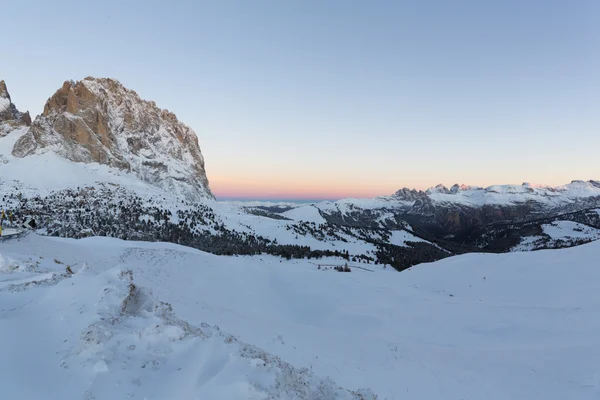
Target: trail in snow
x=102, y=336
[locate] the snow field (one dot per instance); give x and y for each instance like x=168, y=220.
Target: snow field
x=101, y=335
x=518, y=326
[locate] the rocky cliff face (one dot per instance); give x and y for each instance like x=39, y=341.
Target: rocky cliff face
x=10, y=117
x=98, y=120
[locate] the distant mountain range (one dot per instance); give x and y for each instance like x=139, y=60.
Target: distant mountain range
x=101, y=161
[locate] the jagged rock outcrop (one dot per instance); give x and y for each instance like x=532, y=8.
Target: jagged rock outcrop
x=406, y=194
x=98, y=120
x=10, y=117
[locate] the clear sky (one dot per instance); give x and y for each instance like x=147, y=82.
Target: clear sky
x=330, y=99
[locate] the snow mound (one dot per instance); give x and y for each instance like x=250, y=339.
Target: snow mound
x=7, y=265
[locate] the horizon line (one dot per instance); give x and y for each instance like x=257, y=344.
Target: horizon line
x=283, y=197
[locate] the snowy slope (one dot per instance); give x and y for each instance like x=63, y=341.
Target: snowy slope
x=559, y=234
x=308, y=213
x=510, y=326
x=399, y=238
x=348, y=205
x=568, y=229
x=44, y=173
x=235, y=218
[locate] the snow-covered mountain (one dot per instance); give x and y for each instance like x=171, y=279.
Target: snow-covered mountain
x=474, y=196
x=10, y=117
x=97, y=120
x=501, y=202
x=466, y=218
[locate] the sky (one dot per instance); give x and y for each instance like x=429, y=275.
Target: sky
x=330, y=99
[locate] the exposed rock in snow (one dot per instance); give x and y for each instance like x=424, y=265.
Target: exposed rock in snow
x=10, y=117
x=99, y=120
x=408, y=194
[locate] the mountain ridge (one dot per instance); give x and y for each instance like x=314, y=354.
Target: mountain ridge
x=509, y=189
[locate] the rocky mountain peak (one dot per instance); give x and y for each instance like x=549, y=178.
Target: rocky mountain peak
x=98, y=120
x=10, y=117
x=438, y=189
x=3, y=91
x=407, y=194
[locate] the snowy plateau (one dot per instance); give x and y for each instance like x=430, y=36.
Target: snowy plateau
x=136, y=283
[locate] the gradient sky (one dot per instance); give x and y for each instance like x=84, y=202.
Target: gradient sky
x=330, y=99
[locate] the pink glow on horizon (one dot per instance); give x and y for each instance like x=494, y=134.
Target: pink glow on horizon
x=227, y=188
x=298, y=191
x=237, y=193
